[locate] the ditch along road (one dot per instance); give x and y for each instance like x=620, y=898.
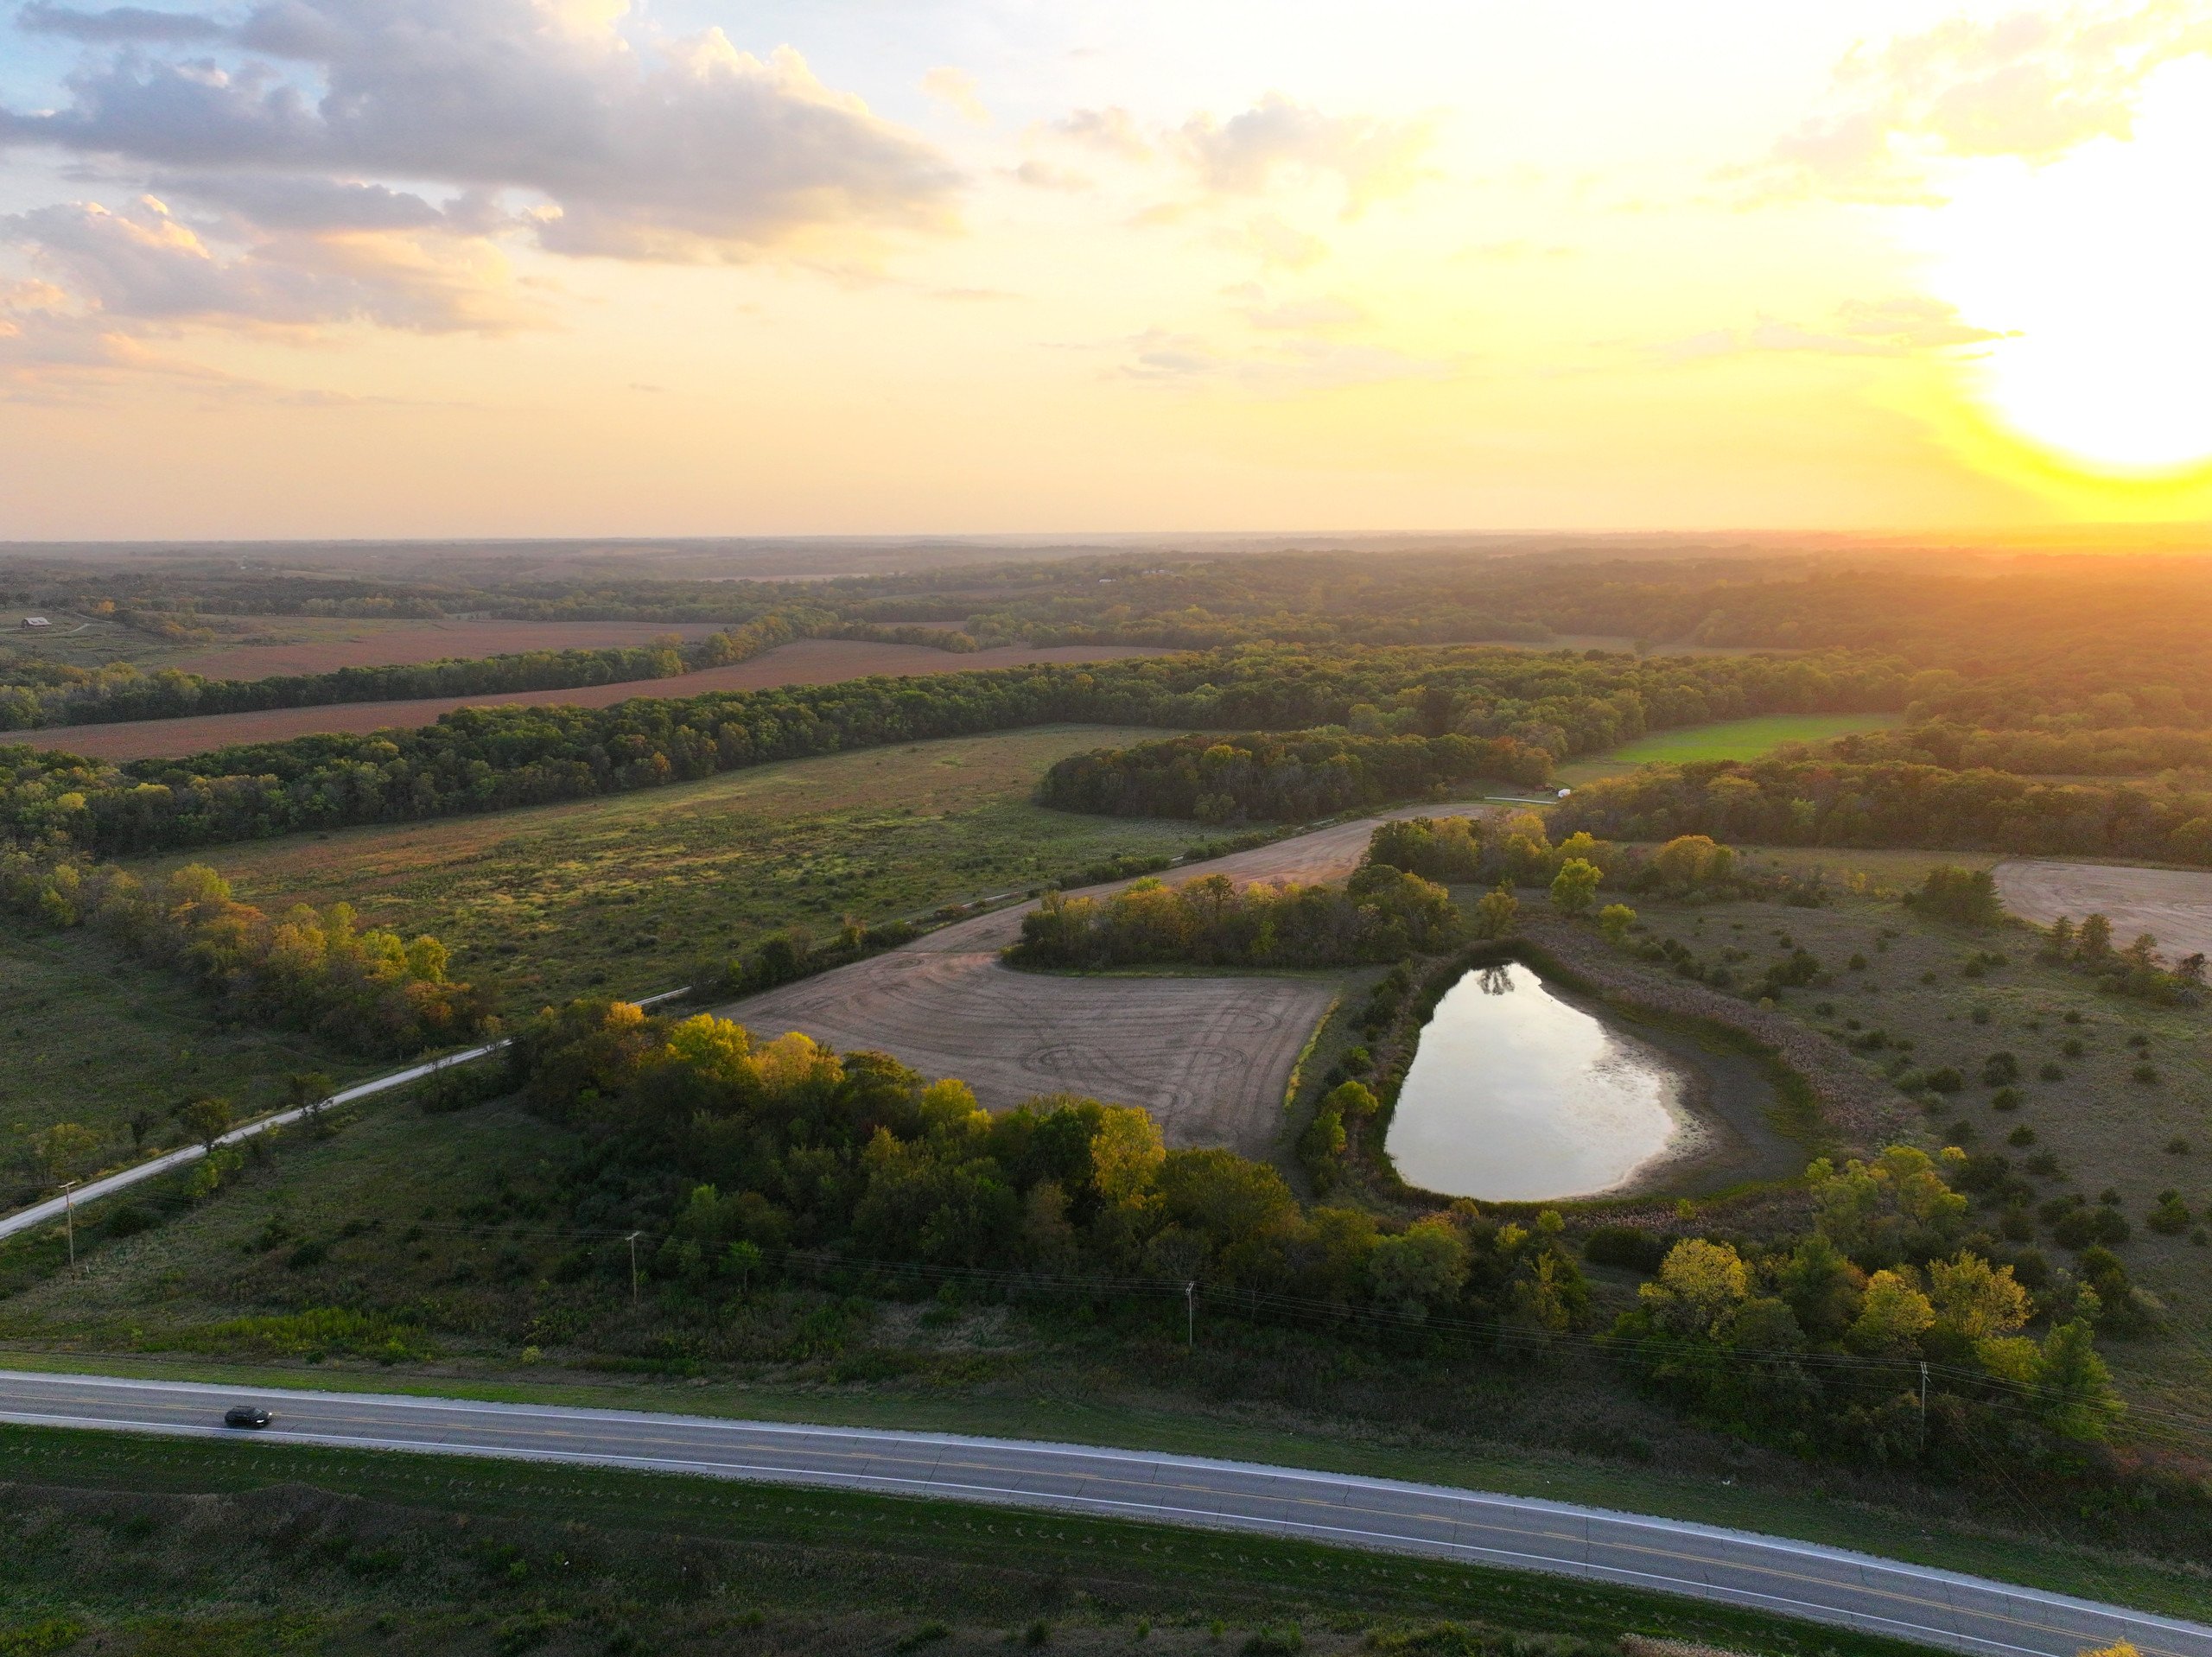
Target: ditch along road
x=1738, y=1568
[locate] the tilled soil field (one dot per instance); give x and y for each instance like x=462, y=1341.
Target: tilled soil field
x=1209, y=1057
x=2173, y=905
x=810, y=661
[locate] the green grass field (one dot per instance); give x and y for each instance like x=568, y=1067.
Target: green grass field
x=1735, y=738
x=88, y=1036
x=642, y=891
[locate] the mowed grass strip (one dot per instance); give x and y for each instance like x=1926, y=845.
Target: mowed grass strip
x=1735, y=738
x=643, y=892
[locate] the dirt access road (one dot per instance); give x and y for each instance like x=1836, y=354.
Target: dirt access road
x=2173, y=905
x=1210, y=1057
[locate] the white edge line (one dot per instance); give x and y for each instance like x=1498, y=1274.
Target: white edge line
x=1157, y=1461
x=1381, y=1541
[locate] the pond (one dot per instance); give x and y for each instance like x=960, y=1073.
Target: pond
x=1516, y=1095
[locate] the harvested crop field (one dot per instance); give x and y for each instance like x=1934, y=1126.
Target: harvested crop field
x=1209, y=1058
x=2173, y=905
x=315, y=646
x=810, y=661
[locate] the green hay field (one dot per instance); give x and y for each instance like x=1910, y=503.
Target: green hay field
x=1735, y=738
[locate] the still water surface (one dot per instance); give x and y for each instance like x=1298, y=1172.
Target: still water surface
x=1515, y=1095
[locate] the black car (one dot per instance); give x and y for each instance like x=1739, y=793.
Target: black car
x=246, y=1415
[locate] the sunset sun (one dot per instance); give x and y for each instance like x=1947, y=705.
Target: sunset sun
x=2092, y=270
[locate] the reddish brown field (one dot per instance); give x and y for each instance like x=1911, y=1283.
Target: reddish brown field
x=380, y=643
x=810, y=661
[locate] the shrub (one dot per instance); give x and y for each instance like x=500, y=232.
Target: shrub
x=1631, y=1247
x=2171, y=1218
x=2087, y=1227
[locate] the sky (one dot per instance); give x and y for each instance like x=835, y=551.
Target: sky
x=377, y=267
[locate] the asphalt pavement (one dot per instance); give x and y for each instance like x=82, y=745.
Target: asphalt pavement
x=1763, y=1573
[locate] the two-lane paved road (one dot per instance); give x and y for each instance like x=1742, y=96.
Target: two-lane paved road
x=1766, y=1573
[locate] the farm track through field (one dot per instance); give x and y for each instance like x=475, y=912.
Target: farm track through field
x=807, y=662
x=1209, y=1058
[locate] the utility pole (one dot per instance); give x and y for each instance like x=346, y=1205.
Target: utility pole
x=1924, y=1406
x=633, y=1268
x=1191, y=1316
x=69, y=1220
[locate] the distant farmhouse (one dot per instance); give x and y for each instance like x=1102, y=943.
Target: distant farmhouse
x=36, y=621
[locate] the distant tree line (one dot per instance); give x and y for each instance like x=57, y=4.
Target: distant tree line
x=496, y=758
x=57, y=694
x=364, y=988
x=1380, y=915
x=1256, y=775
x=2121, y=752
x=1814, y=802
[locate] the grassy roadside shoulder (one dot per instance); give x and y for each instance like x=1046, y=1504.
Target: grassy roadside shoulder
x=1804, y=1514
x=748, y=1552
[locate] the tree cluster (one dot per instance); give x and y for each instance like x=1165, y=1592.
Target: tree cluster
x=1814, y=1340
x=364, y=988
x=1380, y=915
x=1518, y=851
x=1255, y=776
x=1815, y=803
x=767, y=1146
x=2136, y=970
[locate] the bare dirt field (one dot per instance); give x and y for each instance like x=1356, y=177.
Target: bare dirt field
x=315, y=647
x=810, y=661
x=2173, y=905
x=1209, y=1058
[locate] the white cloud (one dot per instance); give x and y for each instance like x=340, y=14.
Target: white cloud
x=147, y=265
x=1247, y=154
x=2033, y=84
x=638, y=146
x=1280, y=243
x=1043, y=175
x=1327, y=311
x=955, y=88
x=1902, y=326
x=1281, y=368
x=1112, y=130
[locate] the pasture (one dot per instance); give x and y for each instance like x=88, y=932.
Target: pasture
x=2109, y=1094
x=807, y=661
x=1735, y=738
